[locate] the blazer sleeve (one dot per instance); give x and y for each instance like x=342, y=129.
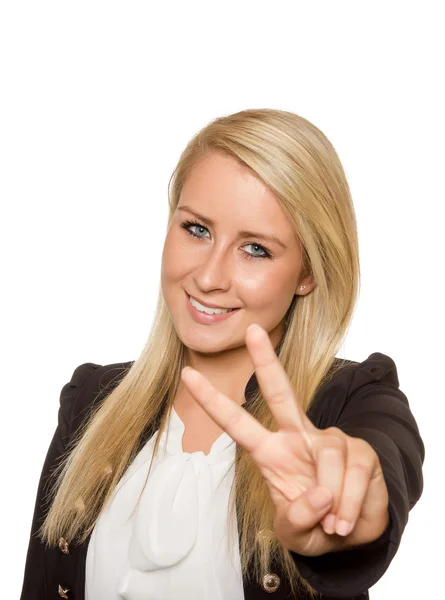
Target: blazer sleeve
x=34, y=585
x=377, y=411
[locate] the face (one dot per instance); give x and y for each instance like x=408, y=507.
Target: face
x=218, y=265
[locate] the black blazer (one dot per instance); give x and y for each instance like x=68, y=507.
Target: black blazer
x=362, y=399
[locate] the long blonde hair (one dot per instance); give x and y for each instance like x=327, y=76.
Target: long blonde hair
x=300, y=165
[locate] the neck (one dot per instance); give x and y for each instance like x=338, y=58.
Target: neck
x=228, y=371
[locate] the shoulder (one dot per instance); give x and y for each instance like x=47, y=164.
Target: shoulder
x=89, y=384
x=378, y=368
x=347, y=378
x=352, y=375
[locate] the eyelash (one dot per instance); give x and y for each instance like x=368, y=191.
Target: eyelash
x=186, y=224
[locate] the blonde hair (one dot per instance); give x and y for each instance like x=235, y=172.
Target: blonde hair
x=300, y=165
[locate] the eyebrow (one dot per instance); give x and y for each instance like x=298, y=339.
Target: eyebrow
x=263, y=236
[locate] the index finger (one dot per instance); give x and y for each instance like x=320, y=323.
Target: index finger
x=228, y=414
x=275, y=384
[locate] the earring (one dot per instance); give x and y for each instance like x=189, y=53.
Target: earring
x=302, y=287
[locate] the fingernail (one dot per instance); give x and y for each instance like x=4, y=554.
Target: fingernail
x=329, y=524
x=319, y=497
x=343, y=527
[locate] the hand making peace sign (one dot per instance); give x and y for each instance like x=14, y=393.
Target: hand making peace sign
x=298, y=459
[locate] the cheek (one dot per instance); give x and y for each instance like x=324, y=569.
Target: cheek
x=174, y=258
x=256, y=289
x=272, y=289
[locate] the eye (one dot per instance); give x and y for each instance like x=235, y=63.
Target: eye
x=188, y=224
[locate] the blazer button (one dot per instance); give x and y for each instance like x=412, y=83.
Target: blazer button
x=64, y=546
x=270, y=582
x=63, y=591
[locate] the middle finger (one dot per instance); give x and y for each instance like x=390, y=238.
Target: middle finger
x=275, y=385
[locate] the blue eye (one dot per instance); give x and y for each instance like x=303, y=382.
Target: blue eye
x=187, y=224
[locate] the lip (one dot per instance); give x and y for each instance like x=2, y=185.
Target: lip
x=205, y=319
x=205, y=304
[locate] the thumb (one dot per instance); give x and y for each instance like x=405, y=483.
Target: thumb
x=310, y=508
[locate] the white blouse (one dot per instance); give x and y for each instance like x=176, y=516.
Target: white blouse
x=175, y=546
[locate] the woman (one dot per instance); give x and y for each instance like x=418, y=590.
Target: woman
x=268, y=465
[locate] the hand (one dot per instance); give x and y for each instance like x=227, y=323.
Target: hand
x=298, y=458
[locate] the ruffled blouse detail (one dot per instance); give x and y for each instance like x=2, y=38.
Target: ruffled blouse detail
x=176, y=539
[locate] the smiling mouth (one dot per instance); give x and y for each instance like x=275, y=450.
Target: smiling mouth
x=210, y=308
x=208, y=318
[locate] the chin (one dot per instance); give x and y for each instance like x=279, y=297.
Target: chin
x=207, y=342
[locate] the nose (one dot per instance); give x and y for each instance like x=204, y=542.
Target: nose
x=215, y=271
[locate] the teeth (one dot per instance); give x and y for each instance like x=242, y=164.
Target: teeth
x=209, y=311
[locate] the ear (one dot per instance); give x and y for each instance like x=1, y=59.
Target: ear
x=309, y=282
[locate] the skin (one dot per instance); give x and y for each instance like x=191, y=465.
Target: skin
x=299, y=462
x=214, y=267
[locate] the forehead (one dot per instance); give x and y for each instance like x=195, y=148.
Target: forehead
x=227, y=192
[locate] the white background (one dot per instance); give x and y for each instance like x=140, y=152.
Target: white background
x=98, y=99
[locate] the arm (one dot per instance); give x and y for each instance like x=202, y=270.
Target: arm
x=377, y=411
x=34, y=584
